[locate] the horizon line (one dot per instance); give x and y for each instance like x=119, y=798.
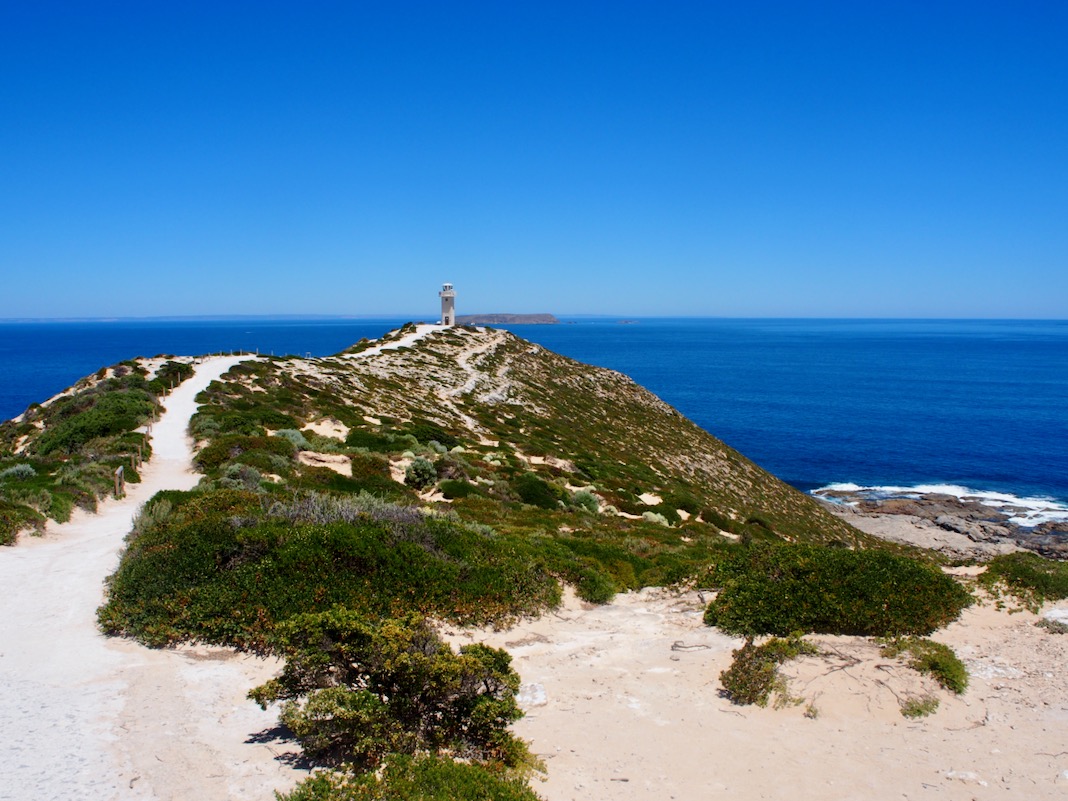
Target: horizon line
x=419, y=318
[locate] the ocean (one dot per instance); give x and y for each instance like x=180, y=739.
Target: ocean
x=972, y=406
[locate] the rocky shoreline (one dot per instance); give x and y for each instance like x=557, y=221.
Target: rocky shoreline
x=959, y=527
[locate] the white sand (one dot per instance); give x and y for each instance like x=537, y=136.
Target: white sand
x=88, y=717
x=623, y=703
x=338, y=462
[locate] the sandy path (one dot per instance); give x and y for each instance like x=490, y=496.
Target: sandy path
x=406, y=341
x=86, y=717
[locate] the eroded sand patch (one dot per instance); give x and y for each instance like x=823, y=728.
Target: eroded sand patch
x=623, y=702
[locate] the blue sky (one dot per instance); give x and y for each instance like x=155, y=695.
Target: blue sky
x=724, y=159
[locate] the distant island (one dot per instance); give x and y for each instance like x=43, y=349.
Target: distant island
x=506, y=319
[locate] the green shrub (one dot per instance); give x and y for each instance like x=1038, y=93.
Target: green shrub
x=753, y=675
x=535, y=491
x=420, y=474
x=931, y=658
x=592, y=584
x=18, y=472
x=240, y=477
x=299, y=441
x=452, y=489
x=1027, y=576
x=356, y=691
x=780, y=589
x=226, y=567
x=682, y=500
x=584, y=499
x=361, y=438
x=425, y=432
x=109, y=413
x=170, y=374
x=232, y=446
x=919, y=707
x=16, y=517
x=420, y=778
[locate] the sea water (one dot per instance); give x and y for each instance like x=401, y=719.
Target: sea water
x=968, y=407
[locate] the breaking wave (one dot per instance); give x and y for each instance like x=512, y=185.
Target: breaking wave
x=1026, y=512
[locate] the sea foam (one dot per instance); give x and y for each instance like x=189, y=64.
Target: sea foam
x=1026, y=512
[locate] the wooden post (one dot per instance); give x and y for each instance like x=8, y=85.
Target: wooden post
x=120, y=482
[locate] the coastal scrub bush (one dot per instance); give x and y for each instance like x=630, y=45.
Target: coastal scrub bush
x=357, y=690
x=231, y=446
x=18, y=472
x=931, y=658
x=415, y=778
x=299, y=441
x=422, y=778
x=227, y=567
x=240, y=477
x=584, y=499
x=1027, y=576
x=535, y=491
x=362, y=438
x=452, y=489
x=754, y=671
x=170, y=374
x=108, y=413
x=780, y=589
x=16, y=517
x=919, y=706
x=426, y=431
x=420, y=473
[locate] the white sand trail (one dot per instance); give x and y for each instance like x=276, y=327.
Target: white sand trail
x=86, y=717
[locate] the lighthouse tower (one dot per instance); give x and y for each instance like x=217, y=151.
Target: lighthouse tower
x=448, y=304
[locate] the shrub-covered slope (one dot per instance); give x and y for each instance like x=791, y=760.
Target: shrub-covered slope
x=63, y=453
x=528, y=469
x=515, y=407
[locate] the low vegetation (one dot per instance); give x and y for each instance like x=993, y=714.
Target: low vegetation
x=1027, y=577
x=64, y=454
x=419, y=778
x=753, y=676
x=919, y=706
x=228, y=566
x=782, y=589
x=356, y=692
x=931, y=658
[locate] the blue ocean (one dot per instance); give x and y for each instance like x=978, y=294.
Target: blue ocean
x=978, y=406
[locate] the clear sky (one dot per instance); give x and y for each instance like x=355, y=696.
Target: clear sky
x=632, y=158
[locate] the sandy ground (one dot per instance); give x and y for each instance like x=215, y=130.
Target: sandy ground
x=623, y=703
x=88, y=717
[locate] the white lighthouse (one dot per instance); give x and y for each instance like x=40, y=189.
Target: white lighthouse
x=448, y=304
